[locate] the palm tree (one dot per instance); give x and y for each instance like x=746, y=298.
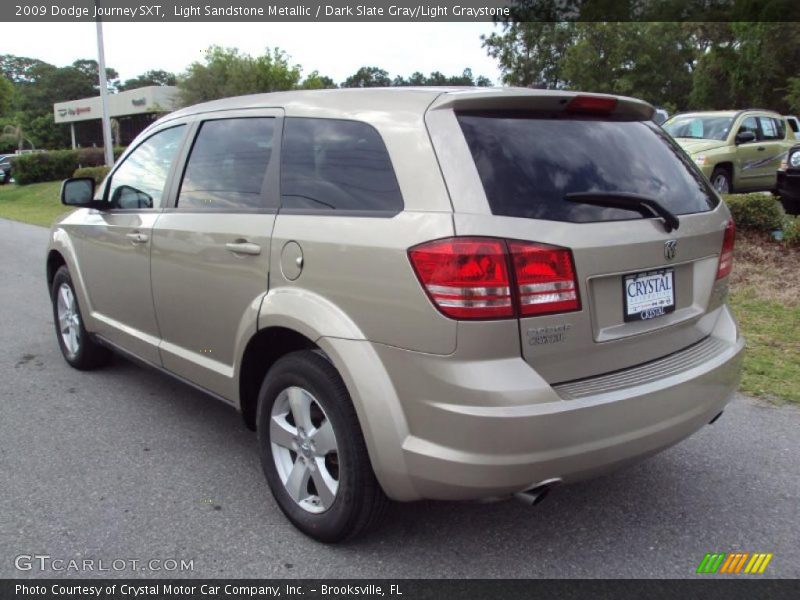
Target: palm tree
x=14, y=133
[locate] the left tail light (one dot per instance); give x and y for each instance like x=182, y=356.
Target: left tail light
x=490, y=278
x=726, y=254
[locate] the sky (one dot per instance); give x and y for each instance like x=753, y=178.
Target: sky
x=334, y=49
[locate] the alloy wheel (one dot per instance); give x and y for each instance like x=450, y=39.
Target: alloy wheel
x=304, y=449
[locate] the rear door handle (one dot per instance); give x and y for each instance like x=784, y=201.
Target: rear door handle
x=137, y=237
x=244, y=247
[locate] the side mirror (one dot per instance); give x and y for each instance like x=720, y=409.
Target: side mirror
x=77, y=191
x=745, y=137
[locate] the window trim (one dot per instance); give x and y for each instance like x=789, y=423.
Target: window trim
x=270, y=195
x=165, y=193
x=327, y=212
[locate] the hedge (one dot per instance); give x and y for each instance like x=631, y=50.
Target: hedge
x=57, y=164
x=756, y=212
x=96, y=173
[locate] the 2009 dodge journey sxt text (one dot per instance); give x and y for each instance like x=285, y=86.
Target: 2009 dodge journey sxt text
x=412, y=293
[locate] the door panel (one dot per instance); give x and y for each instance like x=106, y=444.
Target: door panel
x=113, y=244
x=210, y=258
x=116, y=270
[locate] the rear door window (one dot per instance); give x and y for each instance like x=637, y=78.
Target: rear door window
x=528, y=163
x=228, y=165
x=336, y=165
x=769, y=128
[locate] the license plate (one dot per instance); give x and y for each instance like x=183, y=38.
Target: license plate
x=648, y=295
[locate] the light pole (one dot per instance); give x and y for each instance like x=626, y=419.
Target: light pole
x=101, y=65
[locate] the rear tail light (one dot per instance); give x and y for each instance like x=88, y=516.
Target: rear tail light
x=489, y=278
x=545, y=278
x=726, y=255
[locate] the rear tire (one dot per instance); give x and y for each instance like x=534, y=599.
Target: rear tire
x=722, y=181
x=316, y=462
x=77, y=346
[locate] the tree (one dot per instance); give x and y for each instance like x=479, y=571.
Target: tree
x=152, y=77
x=6, y=96
x=368, y=77
x=227, y=72
x=315, y=81
x=530, y=54
x=436, y=78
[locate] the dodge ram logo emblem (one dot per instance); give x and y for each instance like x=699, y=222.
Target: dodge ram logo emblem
x=670, y=249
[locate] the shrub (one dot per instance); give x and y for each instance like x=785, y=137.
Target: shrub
x=96, y=173
x=95, y=157
x=44, y=166
x=791, y=231
x=757, y=212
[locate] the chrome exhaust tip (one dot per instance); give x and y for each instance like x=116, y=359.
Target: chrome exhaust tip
x=536, y=494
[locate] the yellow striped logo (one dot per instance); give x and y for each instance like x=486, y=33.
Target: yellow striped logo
x=734, y=563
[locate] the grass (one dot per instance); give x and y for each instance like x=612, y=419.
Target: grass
x=765, y=294
x=38, y=203
x=765, y=297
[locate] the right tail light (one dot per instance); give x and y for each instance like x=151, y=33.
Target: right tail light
x=491, y=278
x=726, y=254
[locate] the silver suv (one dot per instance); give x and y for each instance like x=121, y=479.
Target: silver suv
x=421, y=293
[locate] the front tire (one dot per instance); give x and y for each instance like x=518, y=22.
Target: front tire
x=77, y=346
x=721, y=181
x=313, y=452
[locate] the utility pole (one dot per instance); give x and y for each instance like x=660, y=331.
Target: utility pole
x=101, y=60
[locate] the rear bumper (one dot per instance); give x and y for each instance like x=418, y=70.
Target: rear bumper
x=789, y=184
x=473, y=439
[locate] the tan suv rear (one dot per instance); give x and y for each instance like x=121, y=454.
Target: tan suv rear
x=419, y=293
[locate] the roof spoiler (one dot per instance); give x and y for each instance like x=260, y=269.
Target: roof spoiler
x=523, y=99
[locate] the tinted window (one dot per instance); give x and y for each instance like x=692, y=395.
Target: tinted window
x=140, y=180
x=329, y=164
x=528, y=164
x=227, y=165
x=793, y=125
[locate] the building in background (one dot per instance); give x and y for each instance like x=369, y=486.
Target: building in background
x=131, y=111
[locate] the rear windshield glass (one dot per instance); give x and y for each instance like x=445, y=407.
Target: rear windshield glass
x=528, y=164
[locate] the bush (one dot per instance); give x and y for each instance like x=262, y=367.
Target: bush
x=57, y=164
x=96, y=173
x=757, y=212
x=95, y=157
x=44, y=166
x=791, y=231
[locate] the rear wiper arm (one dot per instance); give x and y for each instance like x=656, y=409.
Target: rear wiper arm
x=644, y=205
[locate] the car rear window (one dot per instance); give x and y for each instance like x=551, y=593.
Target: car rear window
x=528, y=163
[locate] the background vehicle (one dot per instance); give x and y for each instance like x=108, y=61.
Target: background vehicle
x=412, y=293
x=789, y=181
x=739, y=151
x=660, y=116
x=5, y=168
x=794, y=125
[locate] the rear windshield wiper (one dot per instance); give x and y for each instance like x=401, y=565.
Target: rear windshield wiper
x=645, y=206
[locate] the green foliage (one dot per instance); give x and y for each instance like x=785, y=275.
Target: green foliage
x=315, y=81
x=152, y=77
x=756, y=212
x=702, y=65
x=793, y=97
x=368, y=77
x=96, y=173
x=6, y=96
x=95, y=157
x=227, y=72
x=436, y=78
x=791, y=231
x=44, y=166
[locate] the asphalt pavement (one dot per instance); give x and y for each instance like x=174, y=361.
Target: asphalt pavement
x=127, y=464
